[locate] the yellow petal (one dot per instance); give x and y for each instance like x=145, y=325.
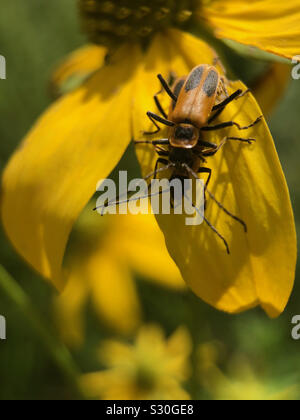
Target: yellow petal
x=113, y=353
x=107, y=385
x=142, y=244
x=97, y=276
x=249, y=181
x=272, y=25
x=113, y=293
x=179, y=348
x=79, y=64
x=96, y=271
x=269, y=89
x=180, y=343
x=53, y=174
x=68, y=309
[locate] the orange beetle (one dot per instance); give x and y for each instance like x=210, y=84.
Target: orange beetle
x=193, y=102
x=196, y=102
x=193, y=108
x=194, y=105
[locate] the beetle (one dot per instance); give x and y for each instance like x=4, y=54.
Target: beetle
x=193, y=108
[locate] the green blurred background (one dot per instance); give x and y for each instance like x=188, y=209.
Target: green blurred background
x=34, y=37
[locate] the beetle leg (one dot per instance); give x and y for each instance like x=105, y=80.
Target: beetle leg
x=162, y=152
x=207, y=144
x=159, y=106
x=149, y=133
x=227, y=211
x=220, y=126
x=221, y=106
x=153, y=142
x=198, y=151
x=172, y=78
x=190, y=170
x=236, y=95
x=228, y=100
x=215, y=116
x=153, y=118
x=249, y=141
x=205, y=171
x=231, y=124
x=167, y=87
x=219, y=235
x=216, y=148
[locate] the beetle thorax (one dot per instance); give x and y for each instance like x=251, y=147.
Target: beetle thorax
x=184, y=136
x=180, y=156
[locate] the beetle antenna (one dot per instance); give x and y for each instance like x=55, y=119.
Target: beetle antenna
x=107, y=204
x=219, y=235
x=118, y=202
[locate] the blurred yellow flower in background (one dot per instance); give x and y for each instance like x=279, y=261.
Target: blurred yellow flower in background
x=81, y=138
x=152, y=368
x=241, y=381
x=101, y=262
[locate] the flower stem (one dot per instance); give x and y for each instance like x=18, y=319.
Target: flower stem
x=59, y=354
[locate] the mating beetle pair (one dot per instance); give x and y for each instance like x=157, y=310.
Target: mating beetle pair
x=193, y=109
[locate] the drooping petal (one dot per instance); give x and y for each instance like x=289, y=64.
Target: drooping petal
x=142, y=244
x=272, y=25
x=77, y=67
x=54, y=173
x=249, y=182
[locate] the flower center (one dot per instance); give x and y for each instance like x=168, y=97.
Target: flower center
x=111, y=22
x=145, y=377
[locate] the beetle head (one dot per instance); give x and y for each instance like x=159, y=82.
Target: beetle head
x=184, y=136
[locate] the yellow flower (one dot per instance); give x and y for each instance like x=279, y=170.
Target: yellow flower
x=152, y=368
x=82, y=137
x=104, y=253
